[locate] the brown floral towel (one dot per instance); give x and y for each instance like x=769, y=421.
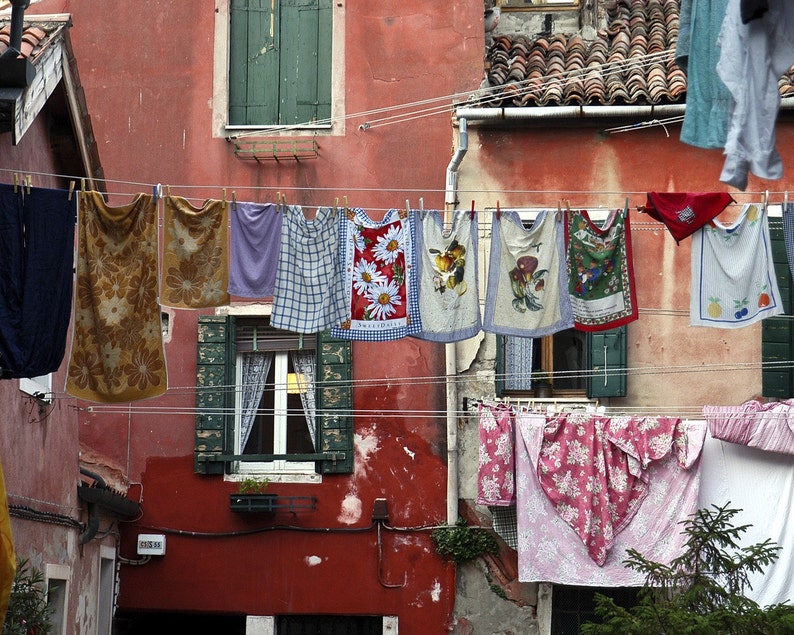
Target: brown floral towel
x=196, y=255
x=117, y=347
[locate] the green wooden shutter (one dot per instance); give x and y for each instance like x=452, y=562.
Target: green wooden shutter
x=254, y=63
x=335, y=402
x=214, y=375
x=606, y=359
x=279, y=61
x=777, y=335
x=305, y=75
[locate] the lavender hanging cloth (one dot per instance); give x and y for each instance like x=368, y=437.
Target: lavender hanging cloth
x=255, y=242
x=36, y=270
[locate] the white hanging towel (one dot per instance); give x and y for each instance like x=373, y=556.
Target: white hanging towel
x=733, y=276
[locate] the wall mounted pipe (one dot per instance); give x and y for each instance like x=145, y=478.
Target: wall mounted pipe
x=451, y=362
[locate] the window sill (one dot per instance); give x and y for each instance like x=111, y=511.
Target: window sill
x=304, y=478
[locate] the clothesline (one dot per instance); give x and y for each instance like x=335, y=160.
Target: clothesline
x=462, y=381
x=462, y=193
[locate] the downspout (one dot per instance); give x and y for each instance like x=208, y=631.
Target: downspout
x=450, y=201
x=92, y=527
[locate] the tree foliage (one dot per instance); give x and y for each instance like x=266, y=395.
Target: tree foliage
x=701, y=592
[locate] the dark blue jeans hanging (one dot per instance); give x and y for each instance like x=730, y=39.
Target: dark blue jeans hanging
x=36, y=273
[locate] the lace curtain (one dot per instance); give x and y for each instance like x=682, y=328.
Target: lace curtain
x=304, y=364
x=256, y=366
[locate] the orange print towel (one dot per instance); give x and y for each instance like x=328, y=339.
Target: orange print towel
x=196, y=255
x=117, y=348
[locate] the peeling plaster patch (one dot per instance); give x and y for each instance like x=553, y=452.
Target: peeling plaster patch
x=366, y=443
x=351, y=510
x=409, y=453
x=313, y=561
x=435, y=592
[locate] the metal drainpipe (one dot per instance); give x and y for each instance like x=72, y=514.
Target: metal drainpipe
x=450, y=200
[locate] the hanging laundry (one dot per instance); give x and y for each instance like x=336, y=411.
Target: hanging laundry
x=733, y=276
x=449, y=300
x=195, y=269
x=788, y=233
x=767, y=426
x=696, y=53
x=685, y=212
x=380, y=281
x=527, y=279
x=36, y=271
x=255, y=241
x=761, y=486
x=309, y=296
x=752, y=58
x=548, y=547
x=117, y=343
x=496, y=465
x=594, y=471
x=600, y=270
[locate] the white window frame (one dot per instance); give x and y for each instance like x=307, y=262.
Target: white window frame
x=220, y=82
x=106, y=590
x=266, y=625
x=62, y=574
x=281, y=365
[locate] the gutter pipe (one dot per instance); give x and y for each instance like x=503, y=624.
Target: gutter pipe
x=451, y=361
x=566, y=112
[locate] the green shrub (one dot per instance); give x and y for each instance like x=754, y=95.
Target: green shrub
x=28, y=611
x=462, y=543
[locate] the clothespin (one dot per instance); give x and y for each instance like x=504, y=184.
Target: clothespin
x=82, y=185
x=283, y=201
x=28, y=181
x=16, y=182
x=498, y=211
x=224, y=198
x=407, y=205
x=345, y=204
x=234, y=200
x=421, y=204
x=168, y=190
x=71, y=190
x=157, y=192
x=472, y=209
x=766, y=199
x=559, y=209
x=336, y=206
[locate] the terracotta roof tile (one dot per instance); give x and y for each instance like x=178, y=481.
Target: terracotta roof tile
x=629, y=62
x=33, y=38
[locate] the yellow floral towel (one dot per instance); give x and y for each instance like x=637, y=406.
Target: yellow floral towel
x=8, y=562
x=196, y=255
x=117, y=347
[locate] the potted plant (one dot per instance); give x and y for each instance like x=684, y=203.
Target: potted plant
x=252, y=497
x=28, y=611
x=542, y=383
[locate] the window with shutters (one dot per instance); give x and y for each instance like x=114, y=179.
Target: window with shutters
x=777, y=333
x=271, y=401
x=279, y=62
x=580, y=364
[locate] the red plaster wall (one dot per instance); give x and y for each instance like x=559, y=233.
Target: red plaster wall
x=147, y=71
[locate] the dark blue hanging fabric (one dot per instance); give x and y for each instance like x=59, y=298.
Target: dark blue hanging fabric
x=34, y=316
x=11, y=277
